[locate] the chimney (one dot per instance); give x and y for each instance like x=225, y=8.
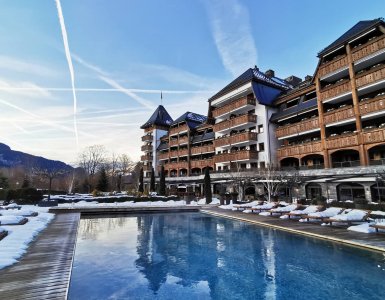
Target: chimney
x=270, y=73
x=293, y=80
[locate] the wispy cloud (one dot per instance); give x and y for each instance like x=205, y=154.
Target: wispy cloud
x=230, y=25
x=23, y=88
x=70, y=66
x=21, y=66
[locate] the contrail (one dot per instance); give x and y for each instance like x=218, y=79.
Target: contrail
x=70, y=66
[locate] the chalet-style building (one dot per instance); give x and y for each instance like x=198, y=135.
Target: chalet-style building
x=329, y=128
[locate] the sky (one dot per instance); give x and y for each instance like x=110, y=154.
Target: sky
x=80, y=73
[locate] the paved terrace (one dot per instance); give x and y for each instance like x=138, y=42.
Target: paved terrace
x=372, y=241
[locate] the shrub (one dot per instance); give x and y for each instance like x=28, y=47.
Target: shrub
x=96, y=193
x=342, y=204
x=25, y=196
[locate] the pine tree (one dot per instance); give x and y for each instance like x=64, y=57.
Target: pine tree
x=4, y=184
x=152, y=182
x=103, y=181
x=207, y=183
x=162, y=183
x=26, y=183
x=140, y=189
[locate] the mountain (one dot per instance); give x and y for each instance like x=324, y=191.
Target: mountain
x=10, y=158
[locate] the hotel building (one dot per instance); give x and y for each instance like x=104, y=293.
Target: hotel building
x=329, y=129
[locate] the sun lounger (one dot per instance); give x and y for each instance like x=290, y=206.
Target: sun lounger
x=353, y=216
x=321, y=215
x=264, y=207
x=23, y=213
x=245, y=205
x=12, y=206
x=378, y=226
x=3, y=233
x=13, y=220
x=283, y=210
x=304, y=212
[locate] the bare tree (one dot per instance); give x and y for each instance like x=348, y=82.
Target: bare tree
x=272, y=179
x=91, y=160
x=48, y=174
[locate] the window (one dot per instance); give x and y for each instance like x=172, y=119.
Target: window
x=261, y=146
x=260, y=128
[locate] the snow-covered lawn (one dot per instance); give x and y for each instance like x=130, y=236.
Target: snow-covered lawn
x=13, y=246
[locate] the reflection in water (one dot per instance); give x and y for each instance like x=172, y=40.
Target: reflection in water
x=195, y=256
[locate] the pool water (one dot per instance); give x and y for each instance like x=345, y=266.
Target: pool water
x=197, y=256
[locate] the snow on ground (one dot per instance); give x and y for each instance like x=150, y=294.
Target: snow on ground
x=10, y=220
x=229, y=206
x=13, y=246
x=365, y=228
x=213, y=201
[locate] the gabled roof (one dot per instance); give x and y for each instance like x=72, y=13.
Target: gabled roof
x=353, y=32
x=160, y=117
x=192, y=119
x=253, y=74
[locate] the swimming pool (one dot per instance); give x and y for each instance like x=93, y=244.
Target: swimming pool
x=197, y=256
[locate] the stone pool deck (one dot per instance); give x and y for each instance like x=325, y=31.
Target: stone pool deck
x=371, y=241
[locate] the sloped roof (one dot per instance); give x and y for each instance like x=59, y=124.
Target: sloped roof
x=353, y=32
x=160, y=117
x=252, y=74
x=302, y=106
x=203, y=137
x=192, y=119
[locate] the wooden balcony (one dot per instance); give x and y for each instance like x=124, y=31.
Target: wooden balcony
x=368, y=48
x=373, y=136
x=178, y=129
x=183, y=140
x=202, y=149
x=146, y=148
x=147, y=168
x=146, y=157
x=339, y=114
x=235, y=139
x=342, y=141
x=236, y=156
x=372, y=105
x=147, y=138
x=335, y=90
x=300, y=149
x=174, y=142
x=201, y=163
x=228, y=108
x=176, y=165
x=296, y=128
x=163, y=156
x=333, y=66
x=237, y=121
x=371, y=76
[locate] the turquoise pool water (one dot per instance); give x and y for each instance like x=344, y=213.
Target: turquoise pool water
x=196, y=256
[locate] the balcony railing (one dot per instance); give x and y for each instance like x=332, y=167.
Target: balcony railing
x=373, y=136
x=230, y=124
x=346, y=164
x=333, y=65
x=335, y=90
x=178, y=129
x=202, y=149
x=174, y=142
x=305, y=148
x=235, y=139
x=341, y=141
x=147, y=138
x=236, y=156
x=233, y=106
x=176, y=165
x=146, y=157
x=368, y=48
x=201, y=163
x=183, y=140
x=372, y=105
x=297, y=128
x=146, y=148
x=147, y=168
x=371, y=76
x=163, y=155
x=376, y=162
x=339, y=114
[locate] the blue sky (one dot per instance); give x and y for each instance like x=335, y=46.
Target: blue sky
x=124, y=52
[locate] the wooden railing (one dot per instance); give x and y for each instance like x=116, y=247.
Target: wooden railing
x=147, y=168
x=227, y=124
x=370, y=76
x=333, y=65
x=335, y=90
x=202, y=149
x=233, y=106
x=372, y=105
x=296, y=128
x=341, y=141
x=368, y=48
x=146, y=148
x=235, y=156
x=176, y=165
x=339, y=114
x=146, y=157
x=175, y=130
x=201, y=163
x=236, y=138
x=306, y=148
x=147, y=138
x=373, y=136
x=183, y=140
x=164, y=155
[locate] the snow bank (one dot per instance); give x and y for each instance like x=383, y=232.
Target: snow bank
x=214, y=201
x=13, y=246
x=24, y=213
x=229, y=206
x=10, y=220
